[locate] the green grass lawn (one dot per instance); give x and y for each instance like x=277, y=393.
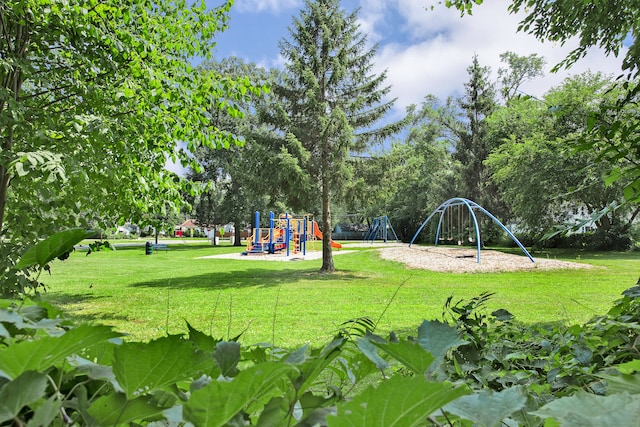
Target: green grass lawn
x=290, y=303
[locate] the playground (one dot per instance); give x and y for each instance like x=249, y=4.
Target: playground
x=287, y=234
x=454, y=220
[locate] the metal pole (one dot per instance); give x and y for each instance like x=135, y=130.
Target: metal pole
x=256, y=230
x=287, y=232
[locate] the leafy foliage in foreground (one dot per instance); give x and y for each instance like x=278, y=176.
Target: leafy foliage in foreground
x=471, y=369
x=477, y=369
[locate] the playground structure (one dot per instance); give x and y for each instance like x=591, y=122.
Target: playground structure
x=288, y=233
x=458, y=224
x=381, y=229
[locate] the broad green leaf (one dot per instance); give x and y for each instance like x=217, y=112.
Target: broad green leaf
x=314, y=365
x=219, y=401
x=44, y=414
x=437, y=338
x=203, y=341
x=298, y=356
x=115, y=409
x=46, y=352
x=622, y=383
x=614, y=175
x=583, y=354
x=143, y=367
x=16, y=394
x=371, y=351
x=400, y=401
x=274, y=413
x=95, y=371
x=227, y=356
x=51, y=247
x=410, y=354
x=632, y=292
x=590, y=410
x=4, y=333
x=502, y=315
x=488, y=408
x=630, y=367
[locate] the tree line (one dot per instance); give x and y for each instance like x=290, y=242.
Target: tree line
x=97, y=96
x=518, y=156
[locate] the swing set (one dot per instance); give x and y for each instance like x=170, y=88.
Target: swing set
x=457, y=227
x=458, y=222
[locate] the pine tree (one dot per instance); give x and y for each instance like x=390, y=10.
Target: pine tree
x=330, y=99
x=473, y=146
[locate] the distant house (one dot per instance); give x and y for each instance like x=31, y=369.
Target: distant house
x=127, y=230
x=187, y=228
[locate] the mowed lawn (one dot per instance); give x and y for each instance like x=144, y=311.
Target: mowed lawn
x=291, y=303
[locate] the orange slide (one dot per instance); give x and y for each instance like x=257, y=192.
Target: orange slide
x=318, y=234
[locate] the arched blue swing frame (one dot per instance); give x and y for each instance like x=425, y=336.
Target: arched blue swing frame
x=471, y=205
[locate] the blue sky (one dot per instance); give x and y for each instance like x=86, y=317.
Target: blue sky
x=424, y=51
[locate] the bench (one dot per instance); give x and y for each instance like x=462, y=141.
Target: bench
x=160, y=246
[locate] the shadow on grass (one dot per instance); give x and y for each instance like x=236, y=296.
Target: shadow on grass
x=173, y=247
x=65, y=302
x=253, y=277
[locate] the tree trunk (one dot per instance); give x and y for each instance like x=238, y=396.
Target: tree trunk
x=12, y=81
x=4, y=188
x=327, y=254
x=237, y=238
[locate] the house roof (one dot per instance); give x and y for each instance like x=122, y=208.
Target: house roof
x=190, y=223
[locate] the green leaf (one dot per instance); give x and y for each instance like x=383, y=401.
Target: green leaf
x=371, y=351
x=400, y=401
x=44, y=414
x=488, y=408
x=51, y=247
x=115, y=409
x=314, y=365
x=502, y=315
x=143, y=367
x=298, y=356
x=274, y=413
x=202, y=341
x=219, y=401
x=632, y=292
x=614, y=175
x=16, y=394
x=630, y=367
x=46, y=352
x=437, y=338
x=622, y=383
x=410, y=354
x=227, y=356
x=95, y=371
x=589, y=410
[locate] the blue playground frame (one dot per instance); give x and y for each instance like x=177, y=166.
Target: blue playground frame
x=471, y=206
x=279, y=238
x=380, y=228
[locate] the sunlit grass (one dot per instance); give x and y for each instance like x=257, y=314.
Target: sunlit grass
x=290, y=303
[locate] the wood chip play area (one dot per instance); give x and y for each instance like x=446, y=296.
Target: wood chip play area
x=434, y=258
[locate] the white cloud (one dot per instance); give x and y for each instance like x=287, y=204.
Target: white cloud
x=439, y=46
x=274, y=6
x=371, y=15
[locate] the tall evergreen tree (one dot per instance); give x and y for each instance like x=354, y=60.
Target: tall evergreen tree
x=472, y=146
x=330, y=99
